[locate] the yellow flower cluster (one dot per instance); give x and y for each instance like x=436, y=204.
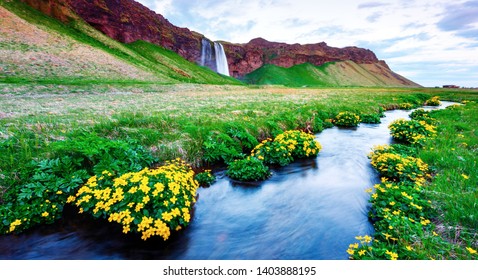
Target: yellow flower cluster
x=151, y=202
x=14, y=224
x=412, y=131
x=399, y=167
x=347, y=119
x=299, y=143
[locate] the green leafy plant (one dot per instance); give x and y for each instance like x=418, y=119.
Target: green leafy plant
x=97, y=153
x=370, y=118
x=248, y=169
x=205, y=179
x=347, y=119
x=422, y=115
x=220, y=147
x=42, y=198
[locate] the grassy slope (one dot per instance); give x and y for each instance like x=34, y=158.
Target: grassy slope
x=39, y=48
x=333, y=74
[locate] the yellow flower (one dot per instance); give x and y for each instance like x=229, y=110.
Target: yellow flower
x=362, y=252
x=367, y=239
x=409, y=248
x=466, y=177
x=45, y=214
x=393, y=256
x=350, y=251
x=471, y=250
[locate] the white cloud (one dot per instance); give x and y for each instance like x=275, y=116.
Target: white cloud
x=404, y=33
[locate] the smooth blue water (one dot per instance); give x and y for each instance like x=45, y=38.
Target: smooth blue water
x=309, y=210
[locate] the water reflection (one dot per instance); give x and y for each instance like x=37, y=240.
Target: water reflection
x=311, y=209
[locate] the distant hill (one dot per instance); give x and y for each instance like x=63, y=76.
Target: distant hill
x=331, y=74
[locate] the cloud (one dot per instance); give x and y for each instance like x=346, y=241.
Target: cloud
x=461, y=18
x=369, y=5
x=374, y=17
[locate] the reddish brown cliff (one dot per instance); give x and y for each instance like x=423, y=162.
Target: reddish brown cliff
x=245, y=58
x=128, y=21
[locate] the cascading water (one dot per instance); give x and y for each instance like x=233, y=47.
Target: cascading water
x=216, y=60
x=221, y=59
x=207, y=58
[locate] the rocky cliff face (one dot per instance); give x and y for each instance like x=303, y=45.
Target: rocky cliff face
x=128, y=21
x=245, y=58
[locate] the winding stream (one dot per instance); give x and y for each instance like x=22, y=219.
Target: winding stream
x=309, y=210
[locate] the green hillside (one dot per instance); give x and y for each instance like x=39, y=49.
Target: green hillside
x=38, y=48
x=332, y=74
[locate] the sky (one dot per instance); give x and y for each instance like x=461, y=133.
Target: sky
x=431, y=42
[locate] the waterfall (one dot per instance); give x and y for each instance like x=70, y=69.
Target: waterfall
x=221, y=59
x=215, y=59
x=206, y=54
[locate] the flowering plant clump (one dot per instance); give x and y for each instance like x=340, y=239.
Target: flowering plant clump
x=399, y=167
x=434, y=101
x=300, y=144
x=248, y=169
x=411, y=131
x=422, y=115
x=347, y=119
x=272, y=153
x=150, y=202
x=406, y=106
x=286, y=147
x=205, y=179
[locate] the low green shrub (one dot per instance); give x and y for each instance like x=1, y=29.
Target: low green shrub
x=248, y=169
x=347, y=119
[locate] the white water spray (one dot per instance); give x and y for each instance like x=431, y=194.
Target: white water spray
x=221, y=59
